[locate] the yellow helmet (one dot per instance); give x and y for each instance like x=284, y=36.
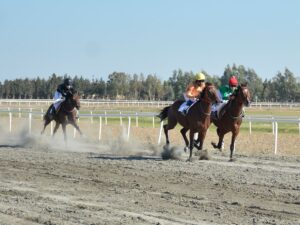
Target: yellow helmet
x=200, y=76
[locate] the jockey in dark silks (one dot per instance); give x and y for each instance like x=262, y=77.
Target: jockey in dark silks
x=64, y=89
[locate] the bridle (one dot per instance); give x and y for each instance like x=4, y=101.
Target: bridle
x=239, y=100
x=205, y=98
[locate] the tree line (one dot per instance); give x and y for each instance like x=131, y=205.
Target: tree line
x=283, y=87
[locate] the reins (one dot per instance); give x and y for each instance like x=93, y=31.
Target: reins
x=230, y=111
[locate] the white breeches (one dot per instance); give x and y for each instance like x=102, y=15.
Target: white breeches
x=218, y=107
x=58, y=99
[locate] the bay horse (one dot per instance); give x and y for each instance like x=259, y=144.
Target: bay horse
x=66, y=114
x=232, y=117
x=196, y=120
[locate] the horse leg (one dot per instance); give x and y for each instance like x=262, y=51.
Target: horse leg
x=171, y=124
x=191, y=145
x=221, y=138
x=77, y=127
x=166, y=134
x=183, y=133
x=45, y=125
x=201, y=137
x=65, y=132
x=232, y=145
x=55, y=128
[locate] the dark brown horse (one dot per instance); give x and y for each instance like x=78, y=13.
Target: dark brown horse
x=66, y=114
x=197, y=119
x=232, y=118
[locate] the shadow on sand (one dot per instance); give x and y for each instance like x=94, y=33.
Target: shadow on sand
x=130, y=157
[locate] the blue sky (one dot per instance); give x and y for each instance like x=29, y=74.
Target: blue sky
x=96, y=38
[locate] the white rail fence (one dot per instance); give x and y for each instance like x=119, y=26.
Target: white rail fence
x=136, y=103
x=274, y=120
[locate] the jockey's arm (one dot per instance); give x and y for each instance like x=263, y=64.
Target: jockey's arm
x=190, y=92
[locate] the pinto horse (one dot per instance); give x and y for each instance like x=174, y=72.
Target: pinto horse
x=232, y=118
x=66, y=114
x=197, y=119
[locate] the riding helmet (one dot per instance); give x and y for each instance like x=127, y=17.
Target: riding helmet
x=200, y=76
x=233, y=81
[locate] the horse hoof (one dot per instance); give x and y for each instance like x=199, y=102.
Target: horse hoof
x=214, y=144
x=186, y=149
x=232, y=160
x=166, y=147
x=189, y=160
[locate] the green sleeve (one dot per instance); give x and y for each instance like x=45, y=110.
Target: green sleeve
x=225, y=92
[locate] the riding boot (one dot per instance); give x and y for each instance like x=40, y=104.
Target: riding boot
x=52, y=112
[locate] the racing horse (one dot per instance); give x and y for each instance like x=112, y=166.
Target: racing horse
x=196, y=120
x=232, y=117
x=66, y=114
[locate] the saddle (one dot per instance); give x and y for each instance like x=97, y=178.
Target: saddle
x=219, y=113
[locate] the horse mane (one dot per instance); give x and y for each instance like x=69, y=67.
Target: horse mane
x=207, y=84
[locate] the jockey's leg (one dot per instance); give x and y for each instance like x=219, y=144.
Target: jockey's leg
x=190, y=104
x=183, y=107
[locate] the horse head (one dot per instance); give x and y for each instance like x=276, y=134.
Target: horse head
x=73, y=99
x=243, y=94
x=209, y=93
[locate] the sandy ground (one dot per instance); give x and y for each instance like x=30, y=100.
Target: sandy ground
x=123, y=183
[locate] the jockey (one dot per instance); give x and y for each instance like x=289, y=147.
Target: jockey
x=225, y=93
x=227, y=90
x=60, y=94
x=192, y=93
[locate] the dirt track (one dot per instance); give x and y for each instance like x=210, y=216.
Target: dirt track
x=40, y=185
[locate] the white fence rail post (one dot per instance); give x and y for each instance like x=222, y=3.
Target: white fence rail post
x=276, y=137
x=153, y=122
x=128, y=131
x=136, y=120
x=105, y=118
x=100, y=128
x=30, y=118
x=42, y=113
x=160, y=131
x=250, y=127
x=273, y=126
x=10, y=121
x=121, y=121
x=92, y=118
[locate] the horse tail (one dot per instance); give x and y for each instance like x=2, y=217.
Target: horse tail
x=164, y=113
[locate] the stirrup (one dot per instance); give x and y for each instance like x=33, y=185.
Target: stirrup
x=183, y=112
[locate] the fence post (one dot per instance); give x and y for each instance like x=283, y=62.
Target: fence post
x=92, y=120
x=10, y=121
x=100, y=128
x=153, y=124
x=128, y=131
x=121, y=121
x=42, y=111
x=250, y=127
x=30, y=117
x=276, y=136
x=273, y=132
x=19, y=112
x=136, y=120
x=74, y=134
x=160, y=131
